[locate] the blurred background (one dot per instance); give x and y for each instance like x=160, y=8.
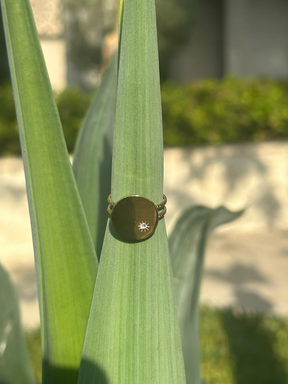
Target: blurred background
x=224, y=84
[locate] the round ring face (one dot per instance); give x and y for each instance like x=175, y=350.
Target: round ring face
x=134, y=218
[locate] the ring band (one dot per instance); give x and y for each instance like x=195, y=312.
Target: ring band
x=135, y=217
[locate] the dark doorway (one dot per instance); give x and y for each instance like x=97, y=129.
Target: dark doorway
x=203, y=56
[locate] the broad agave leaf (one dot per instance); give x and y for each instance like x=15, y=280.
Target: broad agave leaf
x=93, y=156
x=132, y=334
x=65, y=258
x=187, y=244
x=15, y=366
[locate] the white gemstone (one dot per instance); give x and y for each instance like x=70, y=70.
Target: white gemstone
x=143, y=226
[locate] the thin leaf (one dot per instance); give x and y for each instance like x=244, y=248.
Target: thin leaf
x=15, y=366
x=187, y=244
x=64, y=253
x=121, y=8
x=132, y=335
x=93, y=156
x=120, y=23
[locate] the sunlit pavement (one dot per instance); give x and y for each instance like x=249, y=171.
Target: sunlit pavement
x=242, y=269
x=247, y=270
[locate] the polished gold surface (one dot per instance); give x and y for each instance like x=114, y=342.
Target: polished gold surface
x=135, y=217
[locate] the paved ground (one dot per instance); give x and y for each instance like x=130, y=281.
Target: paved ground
x=249, y=270
x=246, y=269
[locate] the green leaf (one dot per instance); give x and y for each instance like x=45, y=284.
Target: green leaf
x=187, y=244
x=64, y=253
x=93, y=156
x=120, y=23
x=121, y=7
x=15, y=366
x=132, y=334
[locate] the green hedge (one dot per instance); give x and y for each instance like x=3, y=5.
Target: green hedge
x=9, y=140
x=206, y=112
x=72, y=105
x=224, y=111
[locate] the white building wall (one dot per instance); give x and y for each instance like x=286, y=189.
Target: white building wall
x=49, y=24
x=55, y=57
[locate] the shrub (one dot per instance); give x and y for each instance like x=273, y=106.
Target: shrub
x=221, y=111
x=207, y=112
x=72, y=105
x=9, y=137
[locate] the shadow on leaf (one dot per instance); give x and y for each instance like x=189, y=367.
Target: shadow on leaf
x=90, y=373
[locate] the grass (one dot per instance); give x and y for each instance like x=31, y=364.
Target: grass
x=237, y=347
x=243, y=348
x=34, y=347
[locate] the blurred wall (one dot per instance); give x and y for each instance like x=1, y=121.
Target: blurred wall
x=246, y=38
x=256, y=38
x=250, y=176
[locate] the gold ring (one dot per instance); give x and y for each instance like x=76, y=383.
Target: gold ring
x=135, y=217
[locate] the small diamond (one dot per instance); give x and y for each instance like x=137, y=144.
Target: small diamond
x=144, y=227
